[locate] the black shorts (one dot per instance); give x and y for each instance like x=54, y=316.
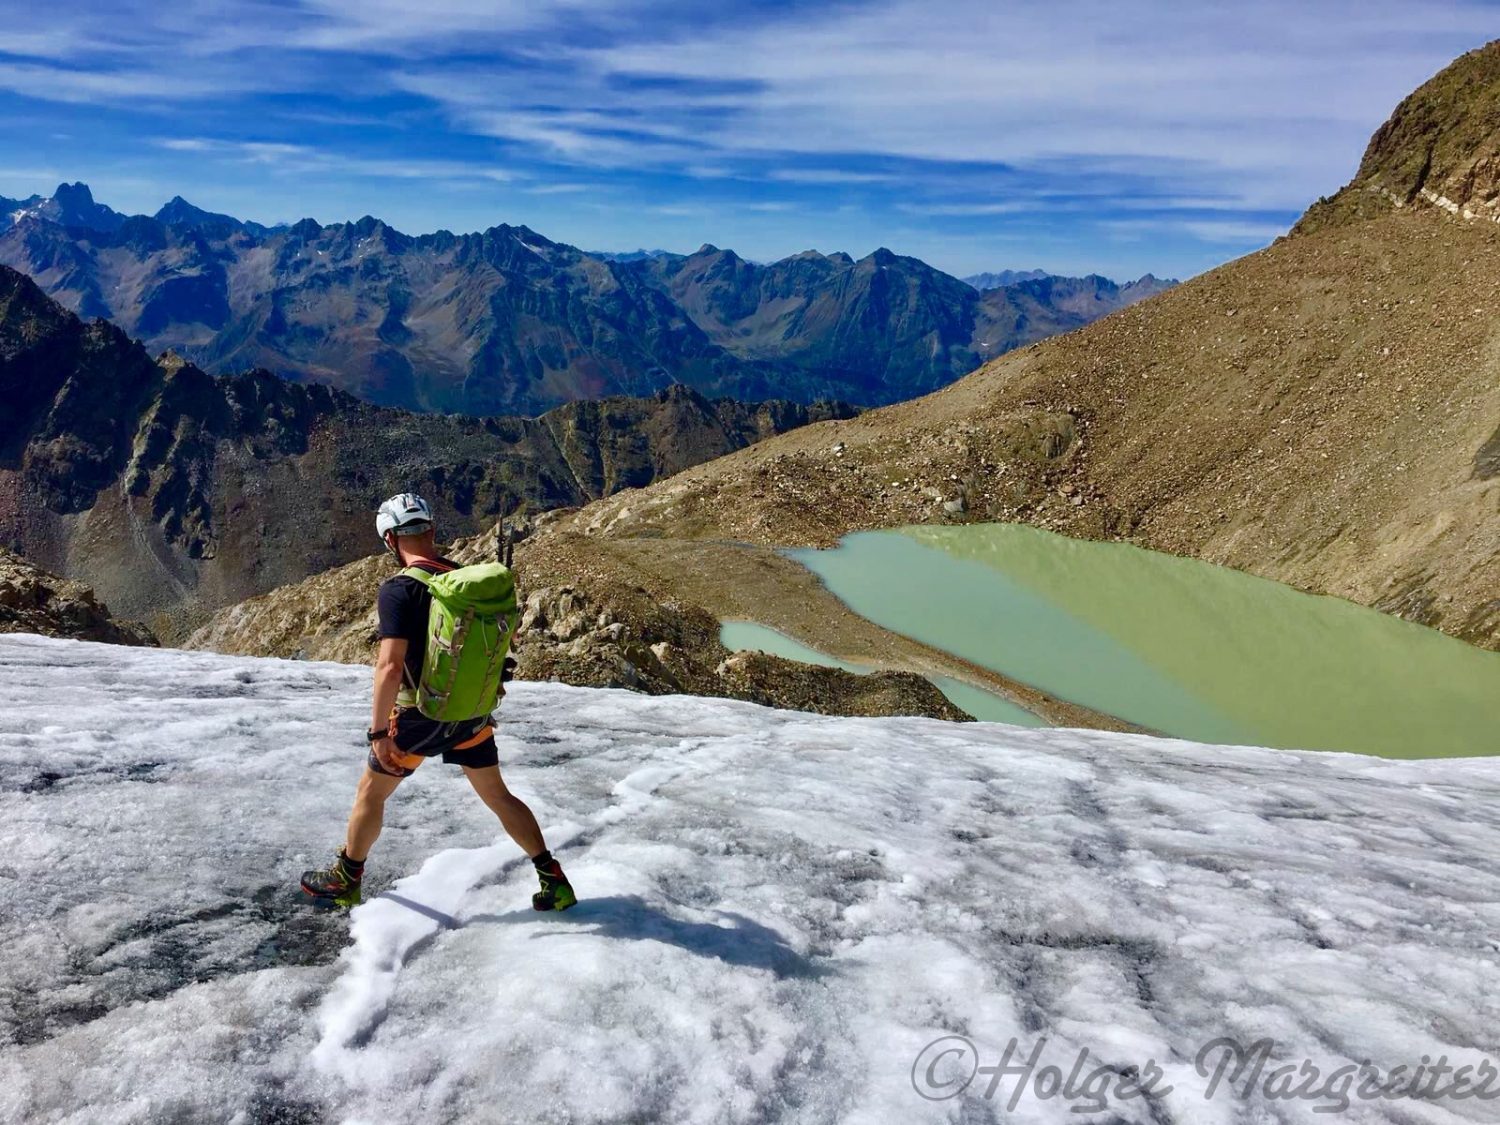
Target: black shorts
x=468, y=743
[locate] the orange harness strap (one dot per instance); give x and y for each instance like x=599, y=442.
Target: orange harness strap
x=484, y=732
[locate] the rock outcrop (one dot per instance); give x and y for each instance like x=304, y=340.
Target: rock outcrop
x=1440, y=150
x=33, y=601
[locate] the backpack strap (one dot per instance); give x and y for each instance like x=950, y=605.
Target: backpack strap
x=423, y=575
x=408, y=694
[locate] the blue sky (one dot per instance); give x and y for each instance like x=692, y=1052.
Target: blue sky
x=977, y=134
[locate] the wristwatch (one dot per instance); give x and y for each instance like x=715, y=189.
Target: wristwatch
x=373, y=736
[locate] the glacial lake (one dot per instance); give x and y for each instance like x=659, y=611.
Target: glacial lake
x=1179, y=646
x=748, y=636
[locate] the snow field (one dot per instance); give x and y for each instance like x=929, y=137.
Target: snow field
x=779, y=911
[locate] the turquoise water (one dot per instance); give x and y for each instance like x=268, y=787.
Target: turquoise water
x=985, y=706
x=748, y=636
x=742, y=636
x=1180, y=646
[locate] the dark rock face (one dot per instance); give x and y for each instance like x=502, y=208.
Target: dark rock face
x=880, y=330
x=173, y=491
x=507, y=321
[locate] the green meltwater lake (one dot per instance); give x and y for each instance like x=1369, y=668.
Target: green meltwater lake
x=1178, y=646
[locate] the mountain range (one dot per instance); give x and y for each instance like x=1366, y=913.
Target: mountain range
x=1002, y=278
x=172, y=491
x=508, y=321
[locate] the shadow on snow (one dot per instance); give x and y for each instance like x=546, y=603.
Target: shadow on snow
x=743, y=941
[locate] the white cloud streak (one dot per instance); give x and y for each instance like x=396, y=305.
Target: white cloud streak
x=304, y=159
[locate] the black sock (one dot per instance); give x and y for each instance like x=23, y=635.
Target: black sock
x=354, y=866
x=542, y=859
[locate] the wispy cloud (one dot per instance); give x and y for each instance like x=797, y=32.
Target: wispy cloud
x=828, y=176
x=1233, y=231
x=74, y=85
x=1015, y=207
x=1271, y=101
x=187, y=144
x=306, y=159
x=678, y=210
x=1237, y=231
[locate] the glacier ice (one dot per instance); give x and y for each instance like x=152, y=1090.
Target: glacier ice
x=780, y=910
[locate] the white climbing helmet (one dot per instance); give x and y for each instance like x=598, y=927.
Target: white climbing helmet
x=407, y=514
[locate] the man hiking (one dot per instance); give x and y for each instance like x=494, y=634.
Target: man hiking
x=413, y=715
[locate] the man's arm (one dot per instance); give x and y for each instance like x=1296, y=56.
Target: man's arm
x=389, y=667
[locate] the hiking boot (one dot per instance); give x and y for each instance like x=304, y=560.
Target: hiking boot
x=557, y=892
x=336, y=888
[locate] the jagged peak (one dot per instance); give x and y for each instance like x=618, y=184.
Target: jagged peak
x=19, y=294
x=76, y=194
x=1151, y=281
x=172, y=362
x=177, y=211
x=681, y=392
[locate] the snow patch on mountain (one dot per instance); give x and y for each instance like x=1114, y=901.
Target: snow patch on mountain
x=779, y=911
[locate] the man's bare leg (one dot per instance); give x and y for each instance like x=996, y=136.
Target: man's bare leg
x=368, y=814
x=515, y=817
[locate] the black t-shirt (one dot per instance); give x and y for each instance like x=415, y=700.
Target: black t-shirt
x=402, y=609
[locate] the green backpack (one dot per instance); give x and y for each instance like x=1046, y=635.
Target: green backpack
x=469, y=630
